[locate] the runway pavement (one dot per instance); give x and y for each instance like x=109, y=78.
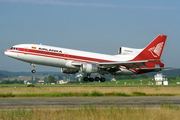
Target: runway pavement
x=74, y=102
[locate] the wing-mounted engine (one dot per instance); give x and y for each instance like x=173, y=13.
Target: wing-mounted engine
x=129, y=51
x=69, y=71
x=89, y=67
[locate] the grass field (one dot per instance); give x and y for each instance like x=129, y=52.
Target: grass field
x=132, y=87
x=165, y=112
x=88, y=91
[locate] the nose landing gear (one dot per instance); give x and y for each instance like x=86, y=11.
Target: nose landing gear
x=33, y=68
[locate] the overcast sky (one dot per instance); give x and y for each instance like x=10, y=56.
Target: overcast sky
x=98, y=26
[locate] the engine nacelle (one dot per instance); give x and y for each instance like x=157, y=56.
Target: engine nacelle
x=129, y=51
x=69, y=71
x=89, y=68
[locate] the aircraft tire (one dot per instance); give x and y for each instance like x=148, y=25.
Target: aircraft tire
x=85, y=78
x=102, y=79
x=96, y=78
x=33, y=71
x=91, y=80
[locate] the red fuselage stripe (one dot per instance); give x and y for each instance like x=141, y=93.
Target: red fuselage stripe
x=58, y=55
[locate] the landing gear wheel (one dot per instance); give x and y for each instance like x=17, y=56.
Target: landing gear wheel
x=91, y=80
x=85, y=78
x=102, y=79
x=33, y=68
x=33, y=71
x=96, y=78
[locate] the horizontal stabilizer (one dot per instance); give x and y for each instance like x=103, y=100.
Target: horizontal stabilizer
x=160, y=68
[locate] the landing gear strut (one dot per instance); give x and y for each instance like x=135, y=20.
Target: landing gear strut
x=33, y=68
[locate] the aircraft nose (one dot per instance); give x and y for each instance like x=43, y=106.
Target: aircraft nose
x=11, y=54
x=6, y=52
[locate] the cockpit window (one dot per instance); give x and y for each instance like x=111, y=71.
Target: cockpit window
x=14, y=48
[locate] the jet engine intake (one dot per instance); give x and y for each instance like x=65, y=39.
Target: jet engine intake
x=129, y=51
x=89, y=68
x=69, y=71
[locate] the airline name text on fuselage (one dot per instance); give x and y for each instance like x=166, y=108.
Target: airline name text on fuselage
x=50, y=50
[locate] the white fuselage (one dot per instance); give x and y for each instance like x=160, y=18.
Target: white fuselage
x=61, y=57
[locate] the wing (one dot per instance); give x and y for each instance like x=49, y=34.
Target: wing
x=127, y=64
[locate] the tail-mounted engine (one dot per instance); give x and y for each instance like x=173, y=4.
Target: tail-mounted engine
x=128, y=51
x=89, y=68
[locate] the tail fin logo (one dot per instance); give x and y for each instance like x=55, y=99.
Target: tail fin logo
x=156, y=50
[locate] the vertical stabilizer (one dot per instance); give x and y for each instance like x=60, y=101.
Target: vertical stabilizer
x=153, y=50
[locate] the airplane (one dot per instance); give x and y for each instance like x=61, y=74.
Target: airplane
x=128, y=61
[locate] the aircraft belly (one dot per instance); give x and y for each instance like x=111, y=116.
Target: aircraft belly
x=124, y=72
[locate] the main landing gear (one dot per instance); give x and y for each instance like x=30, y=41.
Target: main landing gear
x=88, y=78
x=33, y=68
